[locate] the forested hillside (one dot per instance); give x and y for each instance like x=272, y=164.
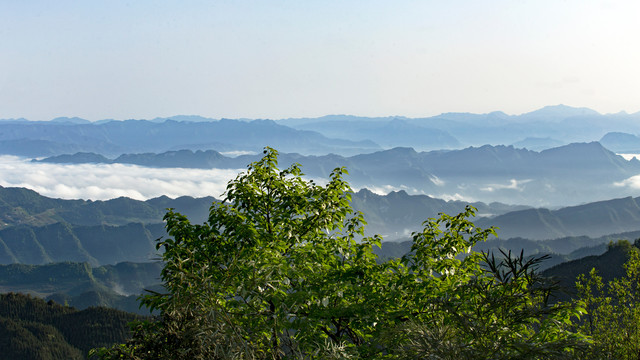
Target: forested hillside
x=609, y=265
x=20, y=206
x=31, y=328
x=80, y=285
x=96, y=244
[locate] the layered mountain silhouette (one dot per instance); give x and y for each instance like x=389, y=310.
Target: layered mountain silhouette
x=621, y=142
x=38, y=230
x=570, y=174
x=594, y=219
x=41, y=230
x=37, y=139
x=81, y=285
x=558, y=123
x=340, y=134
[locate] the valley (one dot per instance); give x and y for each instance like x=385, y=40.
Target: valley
x=575, y=201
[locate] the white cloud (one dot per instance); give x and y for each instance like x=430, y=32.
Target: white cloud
x=237, y=153
x=107, y=181
x=632, y=182
x=453, y=197
x=628, y=157
x=436, y=180
x=381, y=190
x=513, y=185
x=386, y=189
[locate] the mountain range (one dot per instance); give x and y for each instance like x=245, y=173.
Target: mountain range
x=578, y=172
x=341, y=134
x=558, y=125
x=84, y=253
x=40, y=230
x=37, y=139
x=37, y=230
x=81, y=285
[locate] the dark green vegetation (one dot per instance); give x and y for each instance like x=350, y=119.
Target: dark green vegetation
x=612, y=300
x=609, y=265
x=284, y=269
x=38, y=230
x=277, y=272
x=81, y=286
x=19, y=206
x=31, y=328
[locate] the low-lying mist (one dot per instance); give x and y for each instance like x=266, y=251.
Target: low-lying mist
x=108, y=181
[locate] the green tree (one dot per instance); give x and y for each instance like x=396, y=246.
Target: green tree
x=465, y=304
x=613, y=319
x=282, y=269
x=280, y=265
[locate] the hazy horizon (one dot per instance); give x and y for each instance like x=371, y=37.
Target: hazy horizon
x=318, y=117
x=252, y=59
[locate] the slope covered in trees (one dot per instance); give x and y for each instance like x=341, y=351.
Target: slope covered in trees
x=82, y=286
x=31, y=328
x=98, y=244
x=20, y=206
x=25, y=240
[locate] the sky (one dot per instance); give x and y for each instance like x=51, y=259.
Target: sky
x=113, y=59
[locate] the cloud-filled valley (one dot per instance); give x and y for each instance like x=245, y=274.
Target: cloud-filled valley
x=179, y=156
x=107, y=181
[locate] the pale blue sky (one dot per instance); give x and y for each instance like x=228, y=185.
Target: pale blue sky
x=278, y=59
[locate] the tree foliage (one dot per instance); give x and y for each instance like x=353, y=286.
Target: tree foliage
x=31, y=328
x=613, y=319
x=282, y=269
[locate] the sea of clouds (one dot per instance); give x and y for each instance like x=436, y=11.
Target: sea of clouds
x=108, y=181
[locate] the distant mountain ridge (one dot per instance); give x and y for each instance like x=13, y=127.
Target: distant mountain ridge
x=609, y=265
x=36, y=139
x=621, y=142
x=20, y=206
x=340, y=134
x=95, y=244
x=584, y=172
x=81, y=285
x=563, y=123
x=593, y=219
x=40, y=230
